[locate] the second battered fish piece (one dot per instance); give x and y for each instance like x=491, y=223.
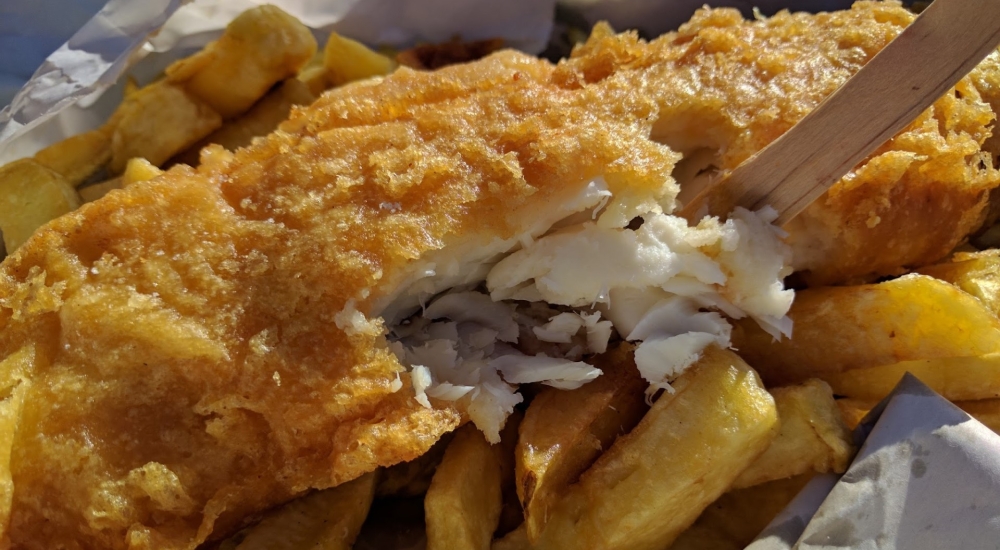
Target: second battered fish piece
x=726, y=87
x=192, y=350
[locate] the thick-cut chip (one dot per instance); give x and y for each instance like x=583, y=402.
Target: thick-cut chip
x=329, y=519
x=157, y=122
x=564, y=432
x=511, y=514
x=78, y=157
x=260, y=120
x=843, y=328
x=347, y=60
x=813, y=437
x=688, y=449
x=259, y=48
x=852, y=411
x=139, y=169
x=515, y=540
x=462, y=506
x=91, y=193
x=313, y=75
x=733, y=521
x=30, y=196
x=953, y=377
x=977, y=273
x=986, y=411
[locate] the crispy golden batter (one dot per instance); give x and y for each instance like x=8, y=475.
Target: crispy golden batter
x=188, y=352
x=733, y=86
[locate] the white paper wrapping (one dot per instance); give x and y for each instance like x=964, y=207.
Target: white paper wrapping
x=926, y=477
x=61, y=99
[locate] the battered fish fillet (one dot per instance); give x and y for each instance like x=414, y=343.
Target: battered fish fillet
x=189, y=351
x=728, y=87
x=194, y=349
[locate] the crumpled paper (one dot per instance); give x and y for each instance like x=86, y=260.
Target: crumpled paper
x=927, y=474
x=69, y=94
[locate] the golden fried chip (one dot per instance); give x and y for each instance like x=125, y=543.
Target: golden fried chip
x=139, y=169
x=839, y=329
x=852, y=411
x=78, y=157
x=462, y=506
x=564, y=432
x=157, y=122
x=977, y=273
x=347, y=60
x=90, y=193
x=261, y=119
x=813, y=437
x=955, y=378
x=330, y=519
x=733, y=521
x=515, y=540
x=313, y=75
x=986, y=411
x=30, y=196
x=262, y=46
x=511, y=514
x=688, y=449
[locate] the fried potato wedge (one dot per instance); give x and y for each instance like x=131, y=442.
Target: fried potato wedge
x=157, y=122
x=515, y=540
x=688, y=449
x=262, y=46
x=564, y=432
x=78, y=157
x=852, y=411
x=30, y=196
x=813, y=437
x=90, y=193
x=261, y=119
x=986, y=411
x=733, y=521
x=139, y=169
x=462, y=506
x=955, y=378
x=698, y=537
x=511, y=514
x=844, y=328
x=313, y=75
x=329, y=519
x=347, y=60
x=977, y=273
